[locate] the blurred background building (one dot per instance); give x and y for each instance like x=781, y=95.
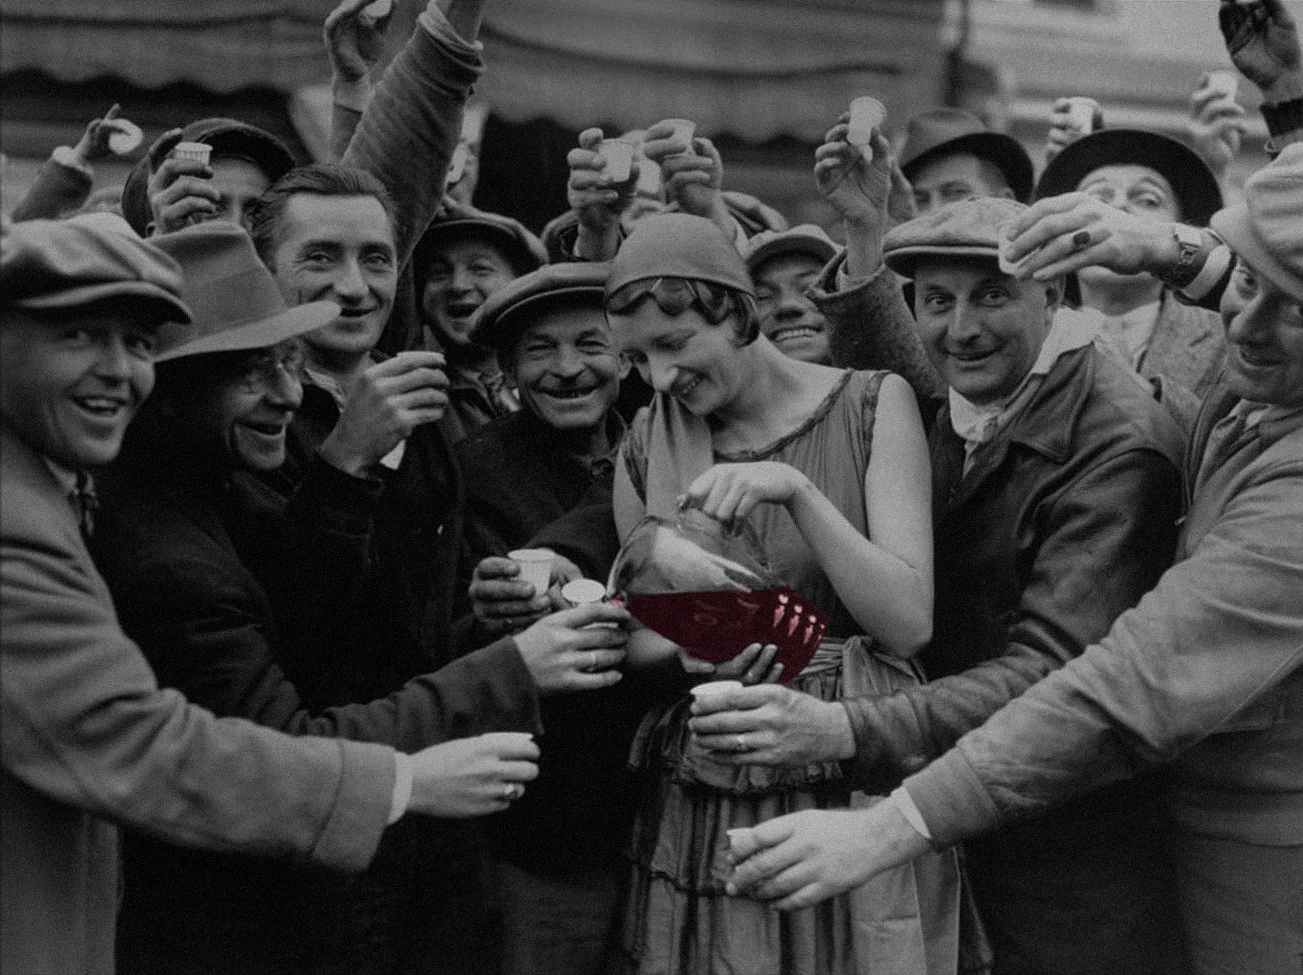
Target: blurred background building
x=763, y=78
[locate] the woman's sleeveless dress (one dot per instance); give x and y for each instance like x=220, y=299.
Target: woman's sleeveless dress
x=679, y=920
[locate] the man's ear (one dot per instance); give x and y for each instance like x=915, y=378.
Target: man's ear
x=625, y=367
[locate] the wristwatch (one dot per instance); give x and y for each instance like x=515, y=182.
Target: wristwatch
x=1190, y=242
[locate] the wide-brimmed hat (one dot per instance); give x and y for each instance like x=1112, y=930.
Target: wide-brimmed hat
x=805, y=238
x=950, y=131
x=1194, y=184
x=522, y=249
x=48, y=265
x=678, y=245
x=511, y=309
x=229, y=139
x=1267, y=228
x=235, y=301
x=966, y=229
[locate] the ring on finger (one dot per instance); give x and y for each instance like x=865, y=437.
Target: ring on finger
x=741, y=743
x=509, y=791
x=1081, y=239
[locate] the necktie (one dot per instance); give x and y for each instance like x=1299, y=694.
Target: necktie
x=85, y=502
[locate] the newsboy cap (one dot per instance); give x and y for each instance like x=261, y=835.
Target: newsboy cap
x=511, y=309
x=59, y=264
x=1267, y=228
x=678, y=245
x=522, y=249
x=805, y=238
x=969, y=228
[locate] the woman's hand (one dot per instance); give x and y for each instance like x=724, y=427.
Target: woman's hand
x=728, y=492
x=772, y=725
x=754, y=665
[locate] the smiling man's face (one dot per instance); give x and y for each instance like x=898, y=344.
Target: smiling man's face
x=462, y=275
x=340, y=249
x=788, y=317
x=982, y=329
x=567, y=368
x=72, y=381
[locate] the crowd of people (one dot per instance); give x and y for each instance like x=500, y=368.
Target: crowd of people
x=279, y=698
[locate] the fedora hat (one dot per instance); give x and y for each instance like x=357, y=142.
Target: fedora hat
x=1196, y=189
x=950, y=131
x=229, y=138
x=233, y=297
x=511, y=309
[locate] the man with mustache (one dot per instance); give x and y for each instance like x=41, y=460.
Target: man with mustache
x=558, y=860
x=1055, y=500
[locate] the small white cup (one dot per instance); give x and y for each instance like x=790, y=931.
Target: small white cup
x=618, y=154
x=535, y=567
x=713, y=687
x=583, y=591
x=198, y=151
x=1225, y=83
x=684, y=130
x=867, y=114
x=1081, y=114
x=125, y=137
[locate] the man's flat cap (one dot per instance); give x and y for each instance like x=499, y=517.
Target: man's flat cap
x=805, y=238
x=511, y=309
x=84, y=260
x=970, y=228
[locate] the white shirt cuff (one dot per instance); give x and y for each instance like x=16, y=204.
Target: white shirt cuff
x=1214, y=268
x=910, y=811
x=402, y=787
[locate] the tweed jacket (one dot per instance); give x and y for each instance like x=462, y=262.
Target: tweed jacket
x=91, y=742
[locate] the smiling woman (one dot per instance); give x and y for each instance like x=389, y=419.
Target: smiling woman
x=828, y=468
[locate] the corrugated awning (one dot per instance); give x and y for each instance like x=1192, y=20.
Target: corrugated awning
x=221, y=45
x=755, y=68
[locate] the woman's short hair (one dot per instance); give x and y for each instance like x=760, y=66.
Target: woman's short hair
x=716, y=303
